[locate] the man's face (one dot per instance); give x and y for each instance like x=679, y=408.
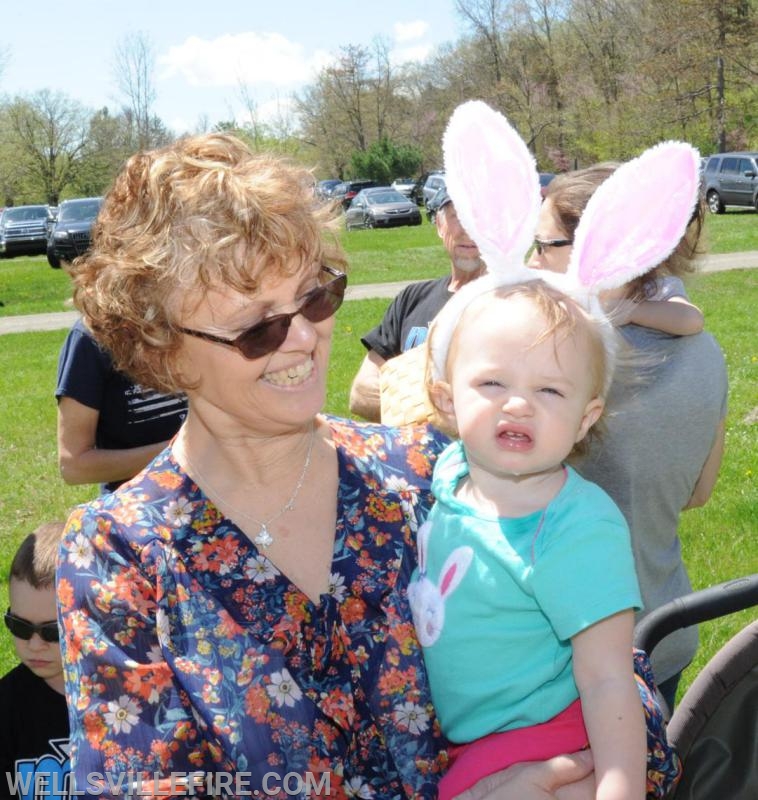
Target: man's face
x=462, y=251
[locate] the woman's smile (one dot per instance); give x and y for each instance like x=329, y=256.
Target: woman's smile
x=291, y=376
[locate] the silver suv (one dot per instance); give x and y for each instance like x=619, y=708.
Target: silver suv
x=23, y=231
x=433, y=184
x=731, y=179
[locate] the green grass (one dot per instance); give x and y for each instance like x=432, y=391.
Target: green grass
x=29, y=286
x=732, y=232
x=719, y=540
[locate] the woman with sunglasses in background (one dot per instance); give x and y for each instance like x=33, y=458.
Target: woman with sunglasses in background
x=238, y=610
x=656, y=300
x=33, y=715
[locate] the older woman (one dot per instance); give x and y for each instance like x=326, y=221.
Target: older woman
x=238, y=610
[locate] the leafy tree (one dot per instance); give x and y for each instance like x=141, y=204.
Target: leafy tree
x=133, y=72
x=108, y=145
x=385, y=161
x=48, y=132
x=355, y=101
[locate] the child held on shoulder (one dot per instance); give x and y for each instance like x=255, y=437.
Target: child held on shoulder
x=658, y=298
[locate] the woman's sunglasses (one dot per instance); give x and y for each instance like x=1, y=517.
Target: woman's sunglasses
x=540, y=245
x=23, y=629
x=269, y=334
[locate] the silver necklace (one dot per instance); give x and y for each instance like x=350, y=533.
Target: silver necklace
x=263, y=538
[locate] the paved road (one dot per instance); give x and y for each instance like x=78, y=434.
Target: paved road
x=65, y=319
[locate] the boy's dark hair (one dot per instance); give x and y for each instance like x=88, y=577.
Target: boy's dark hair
x=35, y=559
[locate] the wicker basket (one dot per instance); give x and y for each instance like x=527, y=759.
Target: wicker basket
x=402, y=387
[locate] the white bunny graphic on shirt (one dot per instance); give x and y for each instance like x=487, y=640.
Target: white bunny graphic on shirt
x=427, y=599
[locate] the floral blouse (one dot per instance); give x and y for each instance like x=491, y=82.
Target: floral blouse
x=187, y=651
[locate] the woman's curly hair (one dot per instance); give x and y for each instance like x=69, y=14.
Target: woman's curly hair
x=202, y=212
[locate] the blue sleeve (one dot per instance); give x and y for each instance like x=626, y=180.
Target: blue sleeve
x=83, y=369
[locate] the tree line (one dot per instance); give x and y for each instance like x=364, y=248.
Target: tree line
x=582, y=81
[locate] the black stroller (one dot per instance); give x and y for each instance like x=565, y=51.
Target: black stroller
x=715, y=726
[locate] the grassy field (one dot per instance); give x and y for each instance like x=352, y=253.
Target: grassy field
x=29, y=286
x=720, y=540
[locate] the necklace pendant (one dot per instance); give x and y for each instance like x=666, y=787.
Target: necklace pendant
x=263, y=537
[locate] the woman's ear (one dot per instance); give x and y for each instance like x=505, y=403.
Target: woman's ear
x=592, y=413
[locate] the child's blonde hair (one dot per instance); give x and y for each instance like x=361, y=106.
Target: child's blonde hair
x=563, y=317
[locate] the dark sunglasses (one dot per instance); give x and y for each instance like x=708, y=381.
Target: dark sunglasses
x=269, y=334
x=541, y=245
x=23, y=629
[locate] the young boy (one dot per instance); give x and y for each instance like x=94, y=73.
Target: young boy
x=34, y=729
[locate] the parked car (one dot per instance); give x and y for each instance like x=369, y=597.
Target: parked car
x=731, y=179
x=417, y=193
x=324, y=188
x=345, y=192
x=432, y=185
x=52, y=215
x=381, y=207
x=433, y=205
x=72, y=230
x=404, y=185
x=23, y=231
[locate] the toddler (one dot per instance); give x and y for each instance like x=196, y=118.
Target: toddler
x=525, y=595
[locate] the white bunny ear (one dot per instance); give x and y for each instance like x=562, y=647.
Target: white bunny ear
x=453, y=570
x=492, y=179
x=636, y=217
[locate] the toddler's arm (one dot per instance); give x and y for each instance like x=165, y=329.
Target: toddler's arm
x=676, y=315
x=613, y=716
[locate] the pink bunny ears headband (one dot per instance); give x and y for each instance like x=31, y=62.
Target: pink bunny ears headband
x=632, y=222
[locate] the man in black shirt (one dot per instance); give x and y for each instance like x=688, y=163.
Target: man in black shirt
x=406, y=322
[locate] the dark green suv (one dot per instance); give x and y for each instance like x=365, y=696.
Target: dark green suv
x=731, y=179
x=71, y=231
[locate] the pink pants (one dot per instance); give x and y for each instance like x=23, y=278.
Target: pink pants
x=564, y=733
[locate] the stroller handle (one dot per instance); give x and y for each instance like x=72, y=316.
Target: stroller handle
x=715, y=601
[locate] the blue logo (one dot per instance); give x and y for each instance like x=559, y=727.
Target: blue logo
x=45, y=778
x=416, y=336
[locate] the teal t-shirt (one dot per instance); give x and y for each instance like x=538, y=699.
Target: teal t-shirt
x=501, y=655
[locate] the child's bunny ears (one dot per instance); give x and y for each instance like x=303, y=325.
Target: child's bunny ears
x=492, y=179
x=632, y=222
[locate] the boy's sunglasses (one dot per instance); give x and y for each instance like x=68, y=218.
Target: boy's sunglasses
x=23, y=629
x=269, y=334
x=541, y=245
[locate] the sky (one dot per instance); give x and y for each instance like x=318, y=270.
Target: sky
x=205, y=50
